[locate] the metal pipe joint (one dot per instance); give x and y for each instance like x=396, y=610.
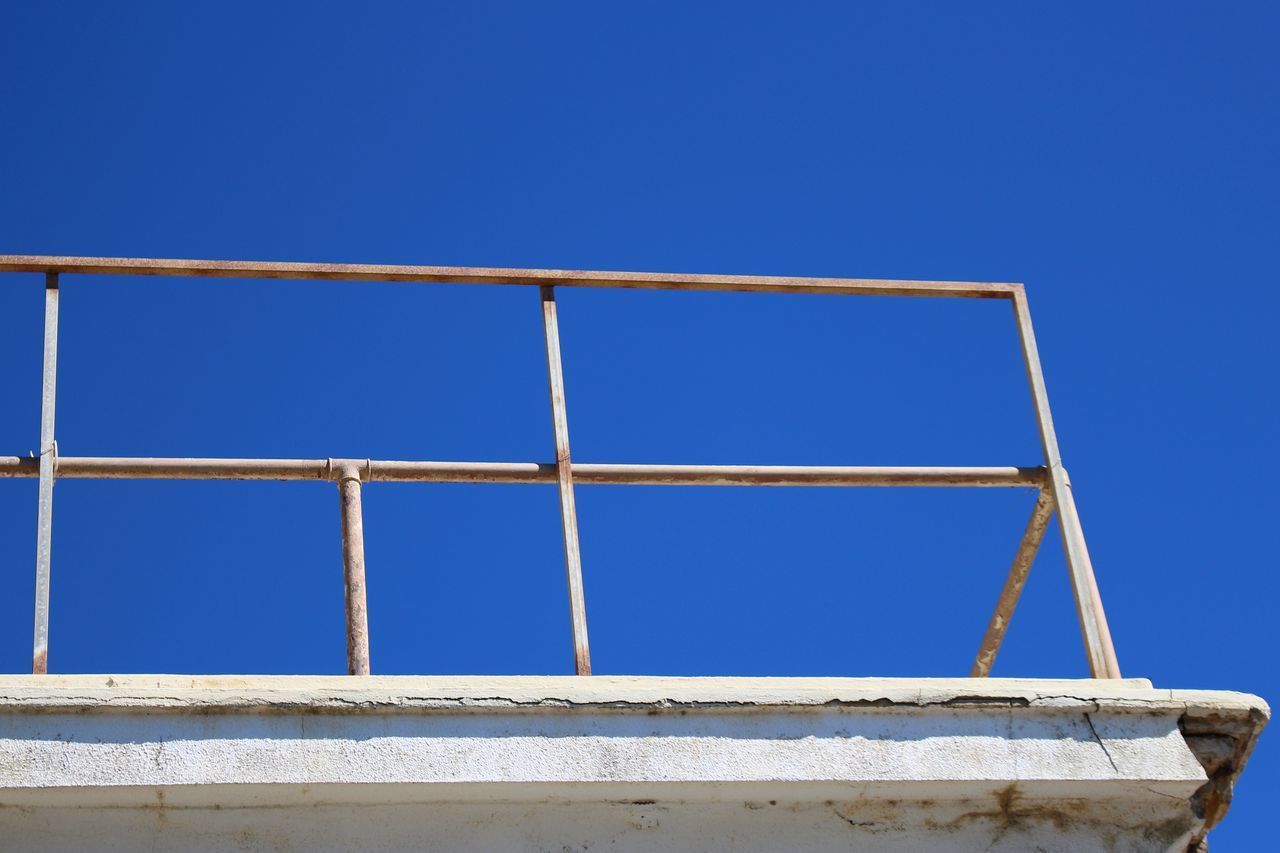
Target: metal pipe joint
x=338, y=470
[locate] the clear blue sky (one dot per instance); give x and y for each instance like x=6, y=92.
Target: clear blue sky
x=1119, y=160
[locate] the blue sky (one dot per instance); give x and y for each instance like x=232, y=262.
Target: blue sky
x=1119, y=161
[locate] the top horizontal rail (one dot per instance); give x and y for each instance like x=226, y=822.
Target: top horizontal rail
x=486, y=275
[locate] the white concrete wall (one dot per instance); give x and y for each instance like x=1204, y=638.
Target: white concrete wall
x=621, y=764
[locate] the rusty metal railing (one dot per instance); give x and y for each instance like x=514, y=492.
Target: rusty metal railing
x=350, y=474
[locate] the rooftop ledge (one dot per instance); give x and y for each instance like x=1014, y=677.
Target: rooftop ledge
x=628, y=763
x=291, y=693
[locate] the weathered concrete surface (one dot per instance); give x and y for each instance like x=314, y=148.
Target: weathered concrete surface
x=538, y=763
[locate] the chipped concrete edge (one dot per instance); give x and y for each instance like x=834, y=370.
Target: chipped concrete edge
x=1222, y=742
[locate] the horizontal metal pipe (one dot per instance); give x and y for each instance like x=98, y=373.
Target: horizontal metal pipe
x=125, y=468
x=145, y=468
x=485, y=275
x=801, y=475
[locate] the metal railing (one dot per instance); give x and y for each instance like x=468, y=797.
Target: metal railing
x=350, y=474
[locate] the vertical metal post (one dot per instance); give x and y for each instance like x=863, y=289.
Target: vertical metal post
x=1013, y=584
x=353, y=571
x=1084, y=586
x=48, y=470
x=564, y=481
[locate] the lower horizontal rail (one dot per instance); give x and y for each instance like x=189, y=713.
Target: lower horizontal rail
x=125, y=468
